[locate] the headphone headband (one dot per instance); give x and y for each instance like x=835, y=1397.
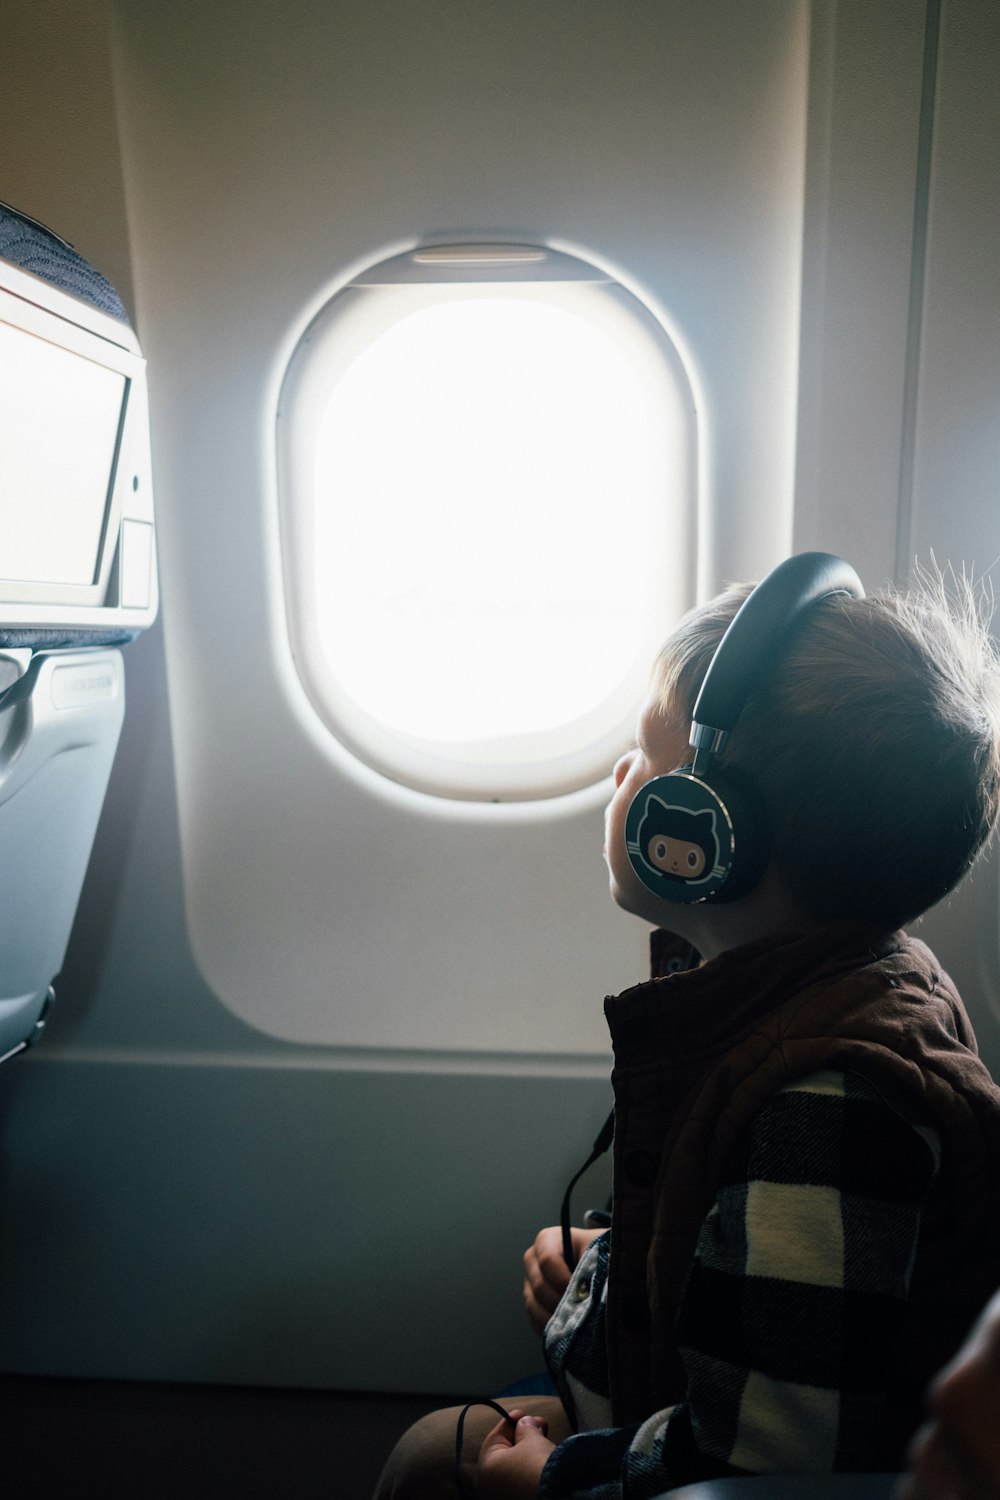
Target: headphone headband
x=757, y=636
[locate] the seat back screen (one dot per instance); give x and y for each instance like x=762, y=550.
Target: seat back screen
x=60, y=417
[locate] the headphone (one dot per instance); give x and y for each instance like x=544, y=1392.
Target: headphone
x=697, y=834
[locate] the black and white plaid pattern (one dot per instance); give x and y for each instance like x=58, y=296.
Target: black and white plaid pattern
x=794, y=1298
x=575, y=1341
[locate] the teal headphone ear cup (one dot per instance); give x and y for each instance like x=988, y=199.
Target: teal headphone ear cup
x=689, y=839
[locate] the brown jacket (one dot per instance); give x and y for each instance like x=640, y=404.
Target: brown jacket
x=697, y=1054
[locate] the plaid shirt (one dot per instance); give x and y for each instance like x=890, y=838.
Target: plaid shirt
x=797, y=1289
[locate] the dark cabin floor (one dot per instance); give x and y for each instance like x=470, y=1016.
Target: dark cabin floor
x=118, y=1439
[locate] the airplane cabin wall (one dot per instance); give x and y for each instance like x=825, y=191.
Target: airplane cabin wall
x=950, y=459
x=193, y=1186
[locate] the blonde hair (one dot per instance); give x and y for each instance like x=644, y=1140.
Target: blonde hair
x=873, y=745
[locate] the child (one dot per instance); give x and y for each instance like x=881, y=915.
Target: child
x=806, y=1206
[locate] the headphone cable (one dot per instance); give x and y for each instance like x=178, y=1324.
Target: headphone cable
x=603, y=1141
x=460, y=1482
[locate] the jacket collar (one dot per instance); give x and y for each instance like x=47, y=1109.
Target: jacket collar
x=704, y=1007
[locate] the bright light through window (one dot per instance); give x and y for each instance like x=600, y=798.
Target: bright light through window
x=490, y=459
x=480, y=509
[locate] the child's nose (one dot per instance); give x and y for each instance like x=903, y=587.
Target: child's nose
x=622, y=767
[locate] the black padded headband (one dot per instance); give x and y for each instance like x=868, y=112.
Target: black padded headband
x=756, y=637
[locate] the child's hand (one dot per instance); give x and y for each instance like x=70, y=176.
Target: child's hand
x=546, y=1274
x=512, y=1458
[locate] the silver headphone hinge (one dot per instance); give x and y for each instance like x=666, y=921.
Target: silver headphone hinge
x=704, y=737
x=706, y=742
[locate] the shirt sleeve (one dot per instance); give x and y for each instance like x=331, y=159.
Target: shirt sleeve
x=794, y=1299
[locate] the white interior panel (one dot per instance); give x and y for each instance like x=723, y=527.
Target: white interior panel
x=861, y=218
x=264, y=165
x=954, y=518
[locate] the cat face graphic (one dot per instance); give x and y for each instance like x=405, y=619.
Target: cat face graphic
x=678, y=844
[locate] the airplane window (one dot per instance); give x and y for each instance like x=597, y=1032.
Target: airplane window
x=486, y=476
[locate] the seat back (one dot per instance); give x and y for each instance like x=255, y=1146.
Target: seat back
x=77, y=581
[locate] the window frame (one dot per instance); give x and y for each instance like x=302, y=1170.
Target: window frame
x=579, y=753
